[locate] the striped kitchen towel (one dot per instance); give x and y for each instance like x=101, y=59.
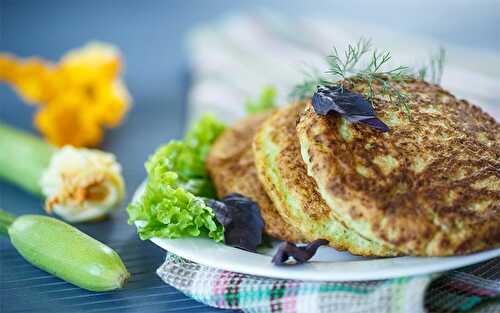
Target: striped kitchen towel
x=231, y=61
x=474, y=288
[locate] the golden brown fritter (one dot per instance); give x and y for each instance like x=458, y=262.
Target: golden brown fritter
x=283, y=175
x=430, y=186
x=231, y=165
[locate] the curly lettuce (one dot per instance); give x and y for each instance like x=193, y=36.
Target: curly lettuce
x=173, y=204
x=265, y=102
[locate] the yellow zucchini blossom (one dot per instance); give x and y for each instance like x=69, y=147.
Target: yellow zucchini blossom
x=82, y=184
x=77, y=97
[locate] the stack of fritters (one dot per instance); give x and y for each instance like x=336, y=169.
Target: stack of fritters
x=430, y=186
x=232, y=168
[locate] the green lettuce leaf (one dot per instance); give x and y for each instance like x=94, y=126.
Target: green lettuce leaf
x=266, y=101
x=173, y=204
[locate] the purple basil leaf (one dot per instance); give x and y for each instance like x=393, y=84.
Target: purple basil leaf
x=240, y=216
x=301, y=254
x=376, y=123
x=281, y=255
x=351, y=105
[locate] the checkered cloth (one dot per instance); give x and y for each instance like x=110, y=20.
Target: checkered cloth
x=231, y=61
x=475, y=287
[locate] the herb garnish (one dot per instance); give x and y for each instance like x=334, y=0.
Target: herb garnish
x=435, y=66
x=348, y=68
x=301, y=254
x=242, y=221
x=353, y=106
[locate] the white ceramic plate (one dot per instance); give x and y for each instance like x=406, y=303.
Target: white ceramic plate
x=327, y=265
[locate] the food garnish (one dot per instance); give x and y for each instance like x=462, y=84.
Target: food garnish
x=76, y=98
x=300, y=254
x=352, y=66
x=242, y=221
x=265, y=102
x=351, y=105
x=362, y=63
x=64, y=251
x=78, y=184
x=433, y=71
x=173, y=203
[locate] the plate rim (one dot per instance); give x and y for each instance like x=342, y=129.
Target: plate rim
x=354, y=270
x=357, y=270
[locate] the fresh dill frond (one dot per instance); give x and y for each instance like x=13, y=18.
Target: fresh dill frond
x=266, y=101
x=437, y=65
x=422, y=73
x=303, y=90
x=307, y=87
x=364, y=63
x=433, y=71
x=342, y=67
x=375, y=72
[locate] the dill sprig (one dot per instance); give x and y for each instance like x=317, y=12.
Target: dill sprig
x=340, y=67
x=351, y=66
x=308, y=86
x=435, y=67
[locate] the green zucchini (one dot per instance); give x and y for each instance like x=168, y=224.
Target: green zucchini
x=65, y=252
x=24, y=158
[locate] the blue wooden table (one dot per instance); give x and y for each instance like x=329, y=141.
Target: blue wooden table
x=151, y=36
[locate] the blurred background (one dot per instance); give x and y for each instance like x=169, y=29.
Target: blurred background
x=159, y=42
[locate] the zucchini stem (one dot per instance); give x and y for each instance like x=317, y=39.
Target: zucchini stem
x=6, y=220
